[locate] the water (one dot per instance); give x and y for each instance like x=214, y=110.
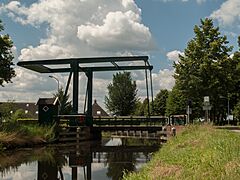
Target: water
x=88, y=160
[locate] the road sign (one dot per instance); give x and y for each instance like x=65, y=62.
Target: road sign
x=208, y=107
x=230, y=117
x=206, y=99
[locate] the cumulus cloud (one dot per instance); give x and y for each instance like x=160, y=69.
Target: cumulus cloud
x=75, y=29
x=164, y=79
x=174, y=55
x=161, y=80
x=83, y=28
x=119, y=31
x=228, y=14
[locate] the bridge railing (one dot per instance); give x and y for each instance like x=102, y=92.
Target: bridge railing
x=129, y=120
x=64, y=120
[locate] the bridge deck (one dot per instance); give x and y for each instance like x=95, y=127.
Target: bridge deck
x=80, y=119
x=127, y=128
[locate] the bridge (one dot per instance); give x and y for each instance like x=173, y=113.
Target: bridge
x=88, y=66
x=130, y=125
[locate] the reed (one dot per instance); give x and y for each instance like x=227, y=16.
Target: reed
x=13, y=134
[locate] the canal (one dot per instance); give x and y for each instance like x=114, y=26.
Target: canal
x=106, y=159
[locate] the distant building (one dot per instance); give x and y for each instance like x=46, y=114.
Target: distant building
x=97, y=110
x=30, y=109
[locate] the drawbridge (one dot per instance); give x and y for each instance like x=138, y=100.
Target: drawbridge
x=75, y=66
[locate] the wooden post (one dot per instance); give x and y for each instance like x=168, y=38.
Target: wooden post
x=77, y=133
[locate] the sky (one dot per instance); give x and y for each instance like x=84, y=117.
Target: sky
x=160, y=29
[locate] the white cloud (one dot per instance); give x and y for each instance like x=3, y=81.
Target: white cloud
x=161, y=80
x=75, y=29
x=83, y=28
x=228, y=14
x=198, y=1
x=120, y=31
x=164, y=79
x=174, y=55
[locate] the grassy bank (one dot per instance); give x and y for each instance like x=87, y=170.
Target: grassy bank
x=13, y=135
x=199, y=152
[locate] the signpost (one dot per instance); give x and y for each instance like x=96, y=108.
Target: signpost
x=189, y=110
x=206, y=107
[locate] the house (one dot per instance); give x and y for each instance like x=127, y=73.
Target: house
x=97, y=110
x=30, y=109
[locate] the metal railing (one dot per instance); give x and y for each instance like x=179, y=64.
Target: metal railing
x=129, y=120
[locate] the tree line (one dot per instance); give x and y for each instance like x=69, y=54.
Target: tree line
x=207, y=68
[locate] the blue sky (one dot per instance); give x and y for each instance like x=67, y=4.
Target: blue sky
x=172, y=23
x=158, y=28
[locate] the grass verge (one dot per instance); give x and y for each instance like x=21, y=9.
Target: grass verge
x=13, y=135
x=199, y=152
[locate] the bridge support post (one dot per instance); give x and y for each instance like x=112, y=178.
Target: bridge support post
x=74, y=67
x=89, y=120
x=95, y=134
x=74, y=173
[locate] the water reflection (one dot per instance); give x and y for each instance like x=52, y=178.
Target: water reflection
x=88, y=160
x=120, y=162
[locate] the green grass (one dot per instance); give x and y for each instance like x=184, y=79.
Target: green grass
x=199, y=152
x=28, y=130
x=13, y=134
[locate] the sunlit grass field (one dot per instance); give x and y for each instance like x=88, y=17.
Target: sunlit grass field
x=199, y=152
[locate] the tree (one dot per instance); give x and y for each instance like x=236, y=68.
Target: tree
x=20, y=114
x=236, y=97
x=139, y=111
x=175, y=103
x=6, y=58
x=122, y=94
x=160, y=102
x=236, y=111
x=65, y=104
x=5, y=110
x=205, y=69
x=141, y=108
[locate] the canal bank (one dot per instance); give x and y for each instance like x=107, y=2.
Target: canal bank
x=199, y=152
x=14, y=135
